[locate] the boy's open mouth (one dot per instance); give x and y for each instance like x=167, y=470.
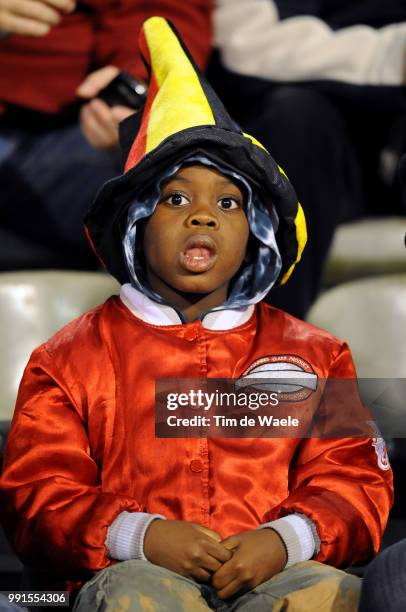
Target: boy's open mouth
x=199, y=254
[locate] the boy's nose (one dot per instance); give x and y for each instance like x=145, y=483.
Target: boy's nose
x=202, y=219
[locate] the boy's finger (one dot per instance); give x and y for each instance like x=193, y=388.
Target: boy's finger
x=211, y=564
x=209, y=532
x=201, y=574
x=231, y=542
x=230, y=589
x=218, y=551
x=224, y=575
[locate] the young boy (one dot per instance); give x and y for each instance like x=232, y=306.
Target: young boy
x=198, y=229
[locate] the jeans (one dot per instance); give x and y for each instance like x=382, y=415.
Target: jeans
x=5, y=606
x=135, y=586
x=384, y=583
x=48, y=180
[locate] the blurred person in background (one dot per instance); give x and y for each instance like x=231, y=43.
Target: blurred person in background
x=58, y=141
x=321, y=83
x=384, y=583
x=6, y=606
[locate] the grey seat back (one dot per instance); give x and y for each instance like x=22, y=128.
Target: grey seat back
x=33, y=306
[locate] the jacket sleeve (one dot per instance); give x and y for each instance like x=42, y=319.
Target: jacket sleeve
x=255, y=42
x=344, y=487
x=118, y=26
x=51, y=501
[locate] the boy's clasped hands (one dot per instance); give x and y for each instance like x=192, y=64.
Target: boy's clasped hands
x=233, y=565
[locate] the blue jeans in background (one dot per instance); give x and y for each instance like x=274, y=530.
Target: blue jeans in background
x=48, y=180
x=384, y=583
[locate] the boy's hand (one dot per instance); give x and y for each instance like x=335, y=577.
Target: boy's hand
x=99, y=122
x=185, y=548
x=209, y=532
x=257, y=556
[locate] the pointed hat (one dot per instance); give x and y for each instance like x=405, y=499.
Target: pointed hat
x=183, y=116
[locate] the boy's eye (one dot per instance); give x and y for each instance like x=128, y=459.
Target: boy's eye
x=228, y=203
x=176, y=199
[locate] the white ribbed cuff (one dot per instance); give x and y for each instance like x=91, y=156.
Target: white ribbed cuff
x=125, y=536
x=297, y=535
x=317, y=541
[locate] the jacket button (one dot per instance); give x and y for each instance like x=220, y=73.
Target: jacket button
x=196, y=465
x=190, y=334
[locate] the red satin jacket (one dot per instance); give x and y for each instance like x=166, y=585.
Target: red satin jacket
x=82, y=447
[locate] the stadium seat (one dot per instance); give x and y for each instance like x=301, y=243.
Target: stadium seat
x=368, y=247
x=370, y=314
x=33, y=306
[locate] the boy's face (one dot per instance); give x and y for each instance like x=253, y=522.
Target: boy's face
x=197, y=237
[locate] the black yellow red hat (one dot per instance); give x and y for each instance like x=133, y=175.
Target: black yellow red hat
x=183, y=117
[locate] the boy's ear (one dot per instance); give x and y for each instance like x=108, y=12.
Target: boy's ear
x=127, y=132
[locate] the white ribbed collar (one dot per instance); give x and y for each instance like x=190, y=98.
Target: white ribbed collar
x=159, y=314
